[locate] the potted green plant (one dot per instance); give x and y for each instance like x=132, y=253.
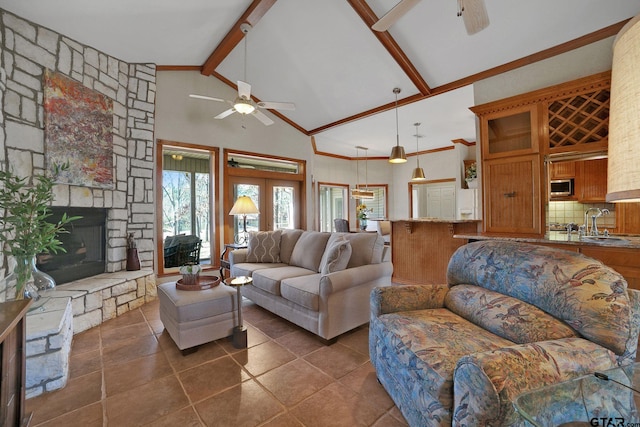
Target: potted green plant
x=24, y=229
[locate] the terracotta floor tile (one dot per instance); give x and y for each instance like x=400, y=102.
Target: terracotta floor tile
x=388, y=421
x=136, y=372
x=363, y=381
x=78, y=392
x=283, y=420
x=205, y=353
x=357, y=340
x=86, y=341
x=300, y=342
x=147, y=403
x=285, y=378
x=336, y=360
x=112, y=336
x=212, y=377
x=337, y=406
x=264, y=357
x=87, y=416
x=294, y=382
x=276, y=327
x=130, y=349
x=246, y=405
x=84, y=363
x=129, y=318
x=186, y=417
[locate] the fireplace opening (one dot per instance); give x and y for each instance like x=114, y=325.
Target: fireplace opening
x=85, y=245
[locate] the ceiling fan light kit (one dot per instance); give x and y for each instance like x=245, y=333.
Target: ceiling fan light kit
x=397, y=152
x=243, y=104
x=418, y=172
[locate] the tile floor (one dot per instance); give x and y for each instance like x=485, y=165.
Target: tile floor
x=128, y=372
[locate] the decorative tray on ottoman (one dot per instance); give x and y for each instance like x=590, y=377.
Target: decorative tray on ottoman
x=203, y=282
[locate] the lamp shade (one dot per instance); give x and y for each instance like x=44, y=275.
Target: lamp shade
x=418, y=174
x=397, y=154
x=623, y=180
x=244, y=206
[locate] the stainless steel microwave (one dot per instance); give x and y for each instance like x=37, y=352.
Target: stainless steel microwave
x=562, y=187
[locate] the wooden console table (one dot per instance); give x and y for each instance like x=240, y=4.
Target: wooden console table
x=13, y=365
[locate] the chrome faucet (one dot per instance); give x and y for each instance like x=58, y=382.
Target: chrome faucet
x=593, y=231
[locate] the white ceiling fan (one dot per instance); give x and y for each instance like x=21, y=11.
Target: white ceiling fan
x=473, y=12
x=243, y=103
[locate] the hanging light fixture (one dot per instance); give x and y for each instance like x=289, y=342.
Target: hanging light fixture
x=623, y=180
x=357, y=192
x=397, y=152
x=418, y=173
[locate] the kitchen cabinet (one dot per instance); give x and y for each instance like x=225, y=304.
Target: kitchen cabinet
x=512, y=195
x=591, y=181
x=562, y=170
x=510, y=132
x=628, y=218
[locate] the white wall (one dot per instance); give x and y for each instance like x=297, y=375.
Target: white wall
x=183, y=119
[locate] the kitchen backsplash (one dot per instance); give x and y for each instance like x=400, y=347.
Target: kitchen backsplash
x=566, y=212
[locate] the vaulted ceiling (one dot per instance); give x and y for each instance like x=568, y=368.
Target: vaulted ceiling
x=323, y=56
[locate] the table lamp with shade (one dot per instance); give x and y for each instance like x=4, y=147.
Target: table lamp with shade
x=243, y=206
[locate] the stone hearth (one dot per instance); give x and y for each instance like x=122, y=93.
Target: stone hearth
x=72, y=308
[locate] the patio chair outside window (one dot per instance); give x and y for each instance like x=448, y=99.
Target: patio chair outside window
x=181, y=250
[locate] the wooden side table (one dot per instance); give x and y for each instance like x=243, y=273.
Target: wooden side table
x=239, y=332
x=224, y=262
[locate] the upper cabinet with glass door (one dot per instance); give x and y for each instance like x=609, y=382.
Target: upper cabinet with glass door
x=510, y=132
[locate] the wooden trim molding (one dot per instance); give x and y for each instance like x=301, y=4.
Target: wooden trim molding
x=464, y=142
x=251, y=16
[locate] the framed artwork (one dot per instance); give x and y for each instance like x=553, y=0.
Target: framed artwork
x=78, y=123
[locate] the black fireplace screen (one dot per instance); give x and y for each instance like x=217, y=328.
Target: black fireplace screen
x=85, y=246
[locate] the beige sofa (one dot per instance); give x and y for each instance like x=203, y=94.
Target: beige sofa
x=319, y=281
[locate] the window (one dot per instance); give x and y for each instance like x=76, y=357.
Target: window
x=333, y=204
x=185, y=202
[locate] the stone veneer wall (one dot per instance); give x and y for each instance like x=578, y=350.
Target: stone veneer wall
x=26, y=50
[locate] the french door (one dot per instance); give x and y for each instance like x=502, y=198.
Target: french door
x=278, y=200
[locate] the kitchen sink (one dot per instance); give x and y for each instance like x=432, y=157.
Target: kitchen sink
x=604, y=239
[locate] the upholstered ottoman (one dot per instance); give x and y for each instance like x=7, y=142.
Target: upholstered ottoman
x=197, y=317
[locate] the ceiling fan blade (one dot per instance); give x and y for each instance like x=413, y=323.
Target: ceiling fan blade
x=244, y=90
x=393, y=15
x=475, y=16
x=208, y=98
x=277, y=105
x=224, y=114
x=262, y=117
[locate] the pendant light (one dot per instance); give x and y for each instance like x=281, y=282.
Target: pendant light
x=358, y=193
x=418, y=173
x=397, y=152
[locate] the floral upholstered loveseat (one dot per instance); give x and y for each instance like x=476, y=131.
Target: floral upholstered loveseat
x=514, y=317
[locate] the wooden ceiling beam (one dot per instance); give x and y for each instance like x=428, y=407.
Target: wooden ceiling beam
x=251, y=16
x=389, y=43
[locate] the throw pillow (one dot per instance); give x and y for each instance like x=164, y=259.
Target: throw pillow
x=336, y=257
x=264, y=246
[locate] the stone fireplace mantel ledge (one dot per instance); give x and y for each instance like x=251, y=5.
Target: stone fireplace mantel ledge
x=72, y=308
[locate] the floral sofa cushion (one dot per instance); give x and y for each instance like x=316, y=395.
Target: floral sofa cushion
x=505, y=316
x=430, y=358
x=587, y=295
x=484, y=392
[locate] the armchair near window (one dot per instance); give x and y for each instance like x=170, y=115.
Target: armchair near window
x=181, y=250
x=341, y=225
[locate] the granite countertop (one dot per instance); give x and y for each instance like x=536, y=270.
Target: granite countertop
x=617, y=240
x=442, y=220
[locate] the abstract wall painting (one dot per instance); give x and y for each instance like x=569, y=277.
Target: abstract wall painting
x=78, y=123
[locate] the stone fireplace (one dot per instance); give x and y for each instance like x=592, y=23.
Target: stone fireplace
x=27, y=50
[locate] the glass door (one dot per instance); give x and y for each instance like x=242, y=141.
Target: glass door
x=277, y=200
